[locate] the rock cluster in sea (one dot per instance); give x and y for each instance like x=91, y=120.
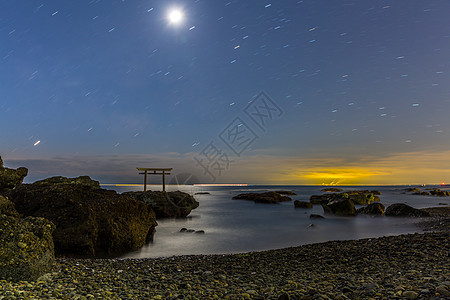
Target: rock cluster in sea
x=266, y=197
x=71, y=217
x=167, y=204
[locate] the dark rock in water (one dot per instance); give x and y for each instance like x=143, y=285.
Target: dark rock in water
x=319, y=199
x=200, y=231
x=415, y=190
x=314, y=216
x=26, y=248
x=10, y=178
x=81, y=180
x=183, y=229
x=376, y=192
x=403, y=210
x=372, y=209
x=340, y=207
x=202, y=193
x=424, y=193
x=332, y=190
x=267, y=197
x=89, y=221
x=302, y=204
x=439, y=193
x=361, y=197
x=7, y=208
x=289, y=193
x=167, y=204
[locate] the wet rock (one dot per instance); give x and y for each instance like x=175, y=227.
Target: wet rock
x=372, y=209
x=361, y=197
x=410, y=295
x=288, y=193
x=404, y=210
x=267, y=197
x=332, y=190
x=26, y=248
x=443, y=290
x=302, y=204
x=439, y=193
x=7, y=207
x=203, y=193
x=167, y=204
x=10, y=178
x=340, y=207
x=89, y=221
x=318, y=199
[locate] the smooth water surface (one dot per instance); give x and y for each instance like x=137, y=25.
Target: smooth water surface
x=241, y=226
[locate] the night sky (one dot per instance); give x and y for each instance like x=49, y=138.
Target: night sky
x=243, y=91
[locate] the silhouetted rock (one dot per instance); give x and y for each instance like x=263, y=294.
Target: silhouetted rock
x=332, y=190
x=340, y=207
x=202, y=193
x=81, y=180
x=319, y=199
x=10, y=178
x=302, y=204
x=89, y=221
x=439, y=193
x=422, y=193
x=414, y=190
x=372, y=209
x=7, y=207
x=267, y=197
x=361, y=197
x=167, y=204
x=376, y=192
x=404, y=210
x=26, y=248
x=289, y=193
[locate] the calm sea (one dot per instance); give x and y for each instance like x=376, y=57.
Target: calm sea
x=233, y=226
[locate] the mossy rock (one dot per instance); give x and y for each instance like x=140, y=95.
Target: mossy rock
x=26, y=248
x=7, y=207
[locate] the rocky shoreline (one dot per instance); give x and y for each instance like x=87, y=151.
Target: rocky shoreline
x=414, y=266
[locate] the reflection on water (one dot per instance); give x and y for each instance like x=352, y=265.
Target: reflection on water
x=240, y=226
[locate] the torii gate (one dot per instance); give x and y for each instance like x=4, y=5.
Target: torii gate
x=156, y=171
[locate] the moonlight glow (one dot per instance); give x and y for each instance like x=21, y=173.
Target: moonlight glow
x=175, y=16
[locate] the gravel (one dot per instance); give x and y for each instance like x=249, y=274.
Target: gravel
x=414, y=266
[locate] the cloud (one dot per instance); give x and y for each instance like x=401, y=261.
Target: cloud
x=399, y=168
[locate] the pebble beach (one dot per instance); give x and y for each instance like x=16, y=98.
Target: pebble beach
x=413, y=266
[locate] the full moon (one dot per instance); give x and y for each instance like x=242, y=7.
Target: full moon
x=175, y=16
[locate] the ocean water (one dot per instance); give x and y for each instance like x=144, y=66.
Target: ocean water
x=233, y=226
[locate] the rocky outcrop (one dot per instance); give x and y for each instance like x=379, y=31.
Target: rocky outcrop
x=302, y=204
x=439, y=193
x=332, y=190
x=9, y=178
x=319, y=199
x=81, y=180
x=267, y=197
x=7, y=208
x=26, y=248
x=89, y=221
x=404, y=210
x=361, y=197
x=287, y=193
x=167, y=204
x=340, y=207
x=376, y=209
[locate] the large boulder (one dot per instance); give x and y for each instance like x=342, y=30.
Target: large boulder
x=376, y=209
x=404, y=210
x=361, y=197
x=167, y=204
x=26, y=248
x=9, y=178
x=7, y=207
x=319, y=199
x=267, y=197
x=302, y=204
x=89, y=221
x=80, y=180
x=340, y=207
x=439, y=193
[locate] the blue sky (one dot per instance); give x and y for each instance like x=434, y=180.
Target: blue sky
x=102, y=87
